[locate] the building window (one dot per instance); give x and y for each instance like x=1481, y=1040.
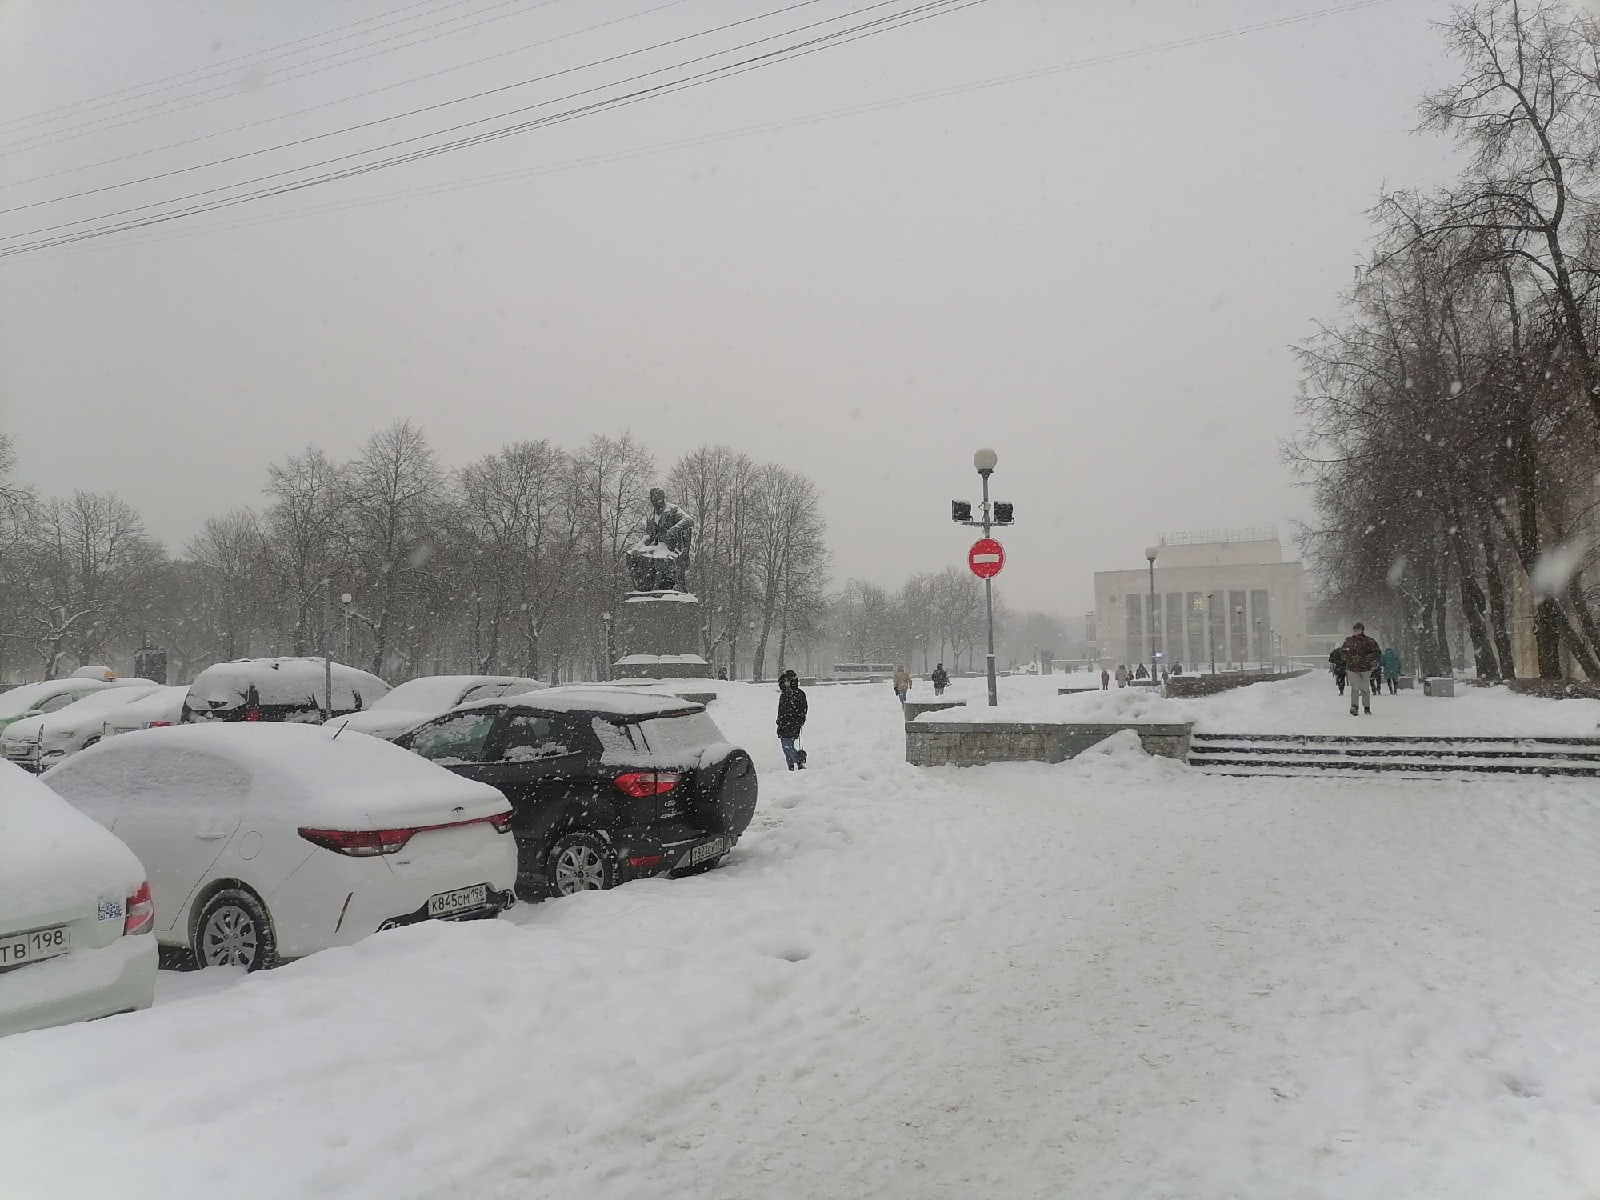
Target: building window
x=1135, y=606
x=1197, y=627
x=1173, y=642
x=1237, y=647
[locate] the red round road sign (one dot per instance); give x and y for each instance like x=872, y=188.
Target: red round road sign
x=986, y=558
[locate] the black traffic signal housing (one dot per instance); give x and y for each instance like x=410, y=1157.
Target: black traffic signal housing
x=960, y=512
x=1002, y=512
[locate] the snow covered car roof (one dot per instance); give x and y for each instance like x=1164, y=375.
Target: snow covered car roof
x=436, y=693
x=51, y=855
x=163, y=704
x=283, y=681
x=90, y=710
x=283, y=771
x=589, y=698
x=20, y=699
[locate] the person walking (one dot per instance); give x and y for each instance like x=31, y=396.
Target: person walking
x=940, y=677
x=1392, y=666
x=1360, y=654
x=792, y=709
x=1336, y=665
x=1122, y=675
x=902, y=683
x=1141, y=673
x=1105, y=680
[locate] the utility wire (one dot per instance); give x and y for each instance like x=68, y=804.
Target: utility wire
x=443, y=104
x=465, y=125
x=921, y=12
x=181, y=104
x=522, y=174
x=388, y=87
x=150, y=86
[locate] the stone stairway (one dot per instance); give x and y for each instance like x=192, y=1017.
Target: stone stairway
x=1351, y=755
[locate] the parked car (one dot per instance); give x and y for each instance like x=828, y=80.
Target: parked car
x=417, y=700
x=272, y=842
x=277, y=689
x=52, y=694
x=38, y=742
x=156, y=709
x=608, y=785
x=75, y=914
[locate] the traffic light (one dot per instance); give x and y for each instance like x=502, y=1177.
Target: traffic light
x=960, y=511
x=1002, y=513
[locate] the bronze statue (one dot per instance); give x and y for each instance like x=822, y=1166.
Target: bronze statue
x=658, y=563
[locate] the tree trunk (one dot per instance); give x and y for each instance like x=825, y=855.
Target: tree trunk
x=1497, y=605
x=1474, y=607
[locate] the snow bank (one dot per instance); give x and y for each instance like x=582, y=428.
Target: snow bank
x=1111, y=977
x=1141, y=705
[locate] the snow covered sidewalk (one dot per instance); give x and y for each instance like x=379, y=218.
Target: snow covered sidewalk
x=1109, y=978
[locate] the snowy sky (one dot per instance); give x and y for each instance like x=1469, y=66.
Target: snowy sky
x=1097, y=271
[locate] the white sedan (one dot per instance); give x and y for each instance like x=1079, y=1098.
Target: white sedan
x=268, y=842
x=39, y=742
x=419, y=700
x=75, y=914
x=164, y=706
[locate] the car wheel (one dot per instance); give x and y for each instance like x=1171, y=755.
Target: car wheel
x=233, y=930
x=725, y=794
x=580, y=862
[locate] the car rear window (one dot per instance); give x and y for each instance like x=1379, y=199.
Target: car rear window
x=680, y=738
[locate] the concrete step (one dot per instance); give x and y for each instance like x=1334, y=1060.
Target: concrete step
x=1412, y=754
x=1408, y=764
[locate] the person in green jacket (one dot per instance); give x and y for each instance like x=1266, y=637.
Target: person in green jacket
x=1391, y=667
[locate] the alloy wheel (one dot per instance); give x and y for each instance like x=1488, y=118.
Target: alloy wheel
x=579, y=868
x=230, y=938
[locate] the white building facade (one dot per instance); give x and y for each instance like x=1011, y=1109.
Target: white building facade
x=1221, y=595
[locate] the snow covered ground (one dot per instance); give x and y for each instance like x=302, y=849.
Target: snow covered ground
x=1109, y=978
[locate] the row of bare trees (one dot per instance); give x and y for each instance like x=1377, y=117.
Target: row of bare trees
x=931, y=618
x=510, y=563
x=1452, y=413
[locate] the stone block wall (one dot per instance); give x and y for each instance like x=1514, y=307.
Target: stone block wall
x=976, y=743
x=1192, y=687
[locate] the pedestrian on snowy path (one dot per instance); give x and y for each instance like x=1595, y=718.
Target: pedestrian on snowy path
x=902, y=683
x=1360, y=655
x=1141, y=673
x=1392, y=667
x=792, y=709
x=1105, y=680
x=1336, y=665
x=1122, y=675
x=941, y=679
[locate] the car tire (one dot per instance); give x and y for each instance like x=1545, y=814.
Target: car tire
x=725, y=794
x=234, y=930
x=580, y=861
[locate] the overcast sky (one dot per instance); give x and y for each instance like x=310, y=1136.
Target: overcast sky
x=1098, y=271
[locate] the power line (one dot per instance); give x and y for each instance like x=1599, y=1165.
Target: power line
x=442, y=104
x=961, y=89
x=150, y=87
x=182, y=104
x=388, y=87
x=914, y=15
x=464, y=125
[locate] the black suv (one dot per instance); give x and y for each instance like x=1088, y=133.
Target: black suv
x=607, y=785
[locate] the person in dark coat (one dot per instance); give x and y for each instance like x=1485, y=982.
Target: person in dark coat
x=792, y=708
x=1141, y=673
x=1105, y=680
x=940, y=677
x=1336, y=664
x=1361, y=655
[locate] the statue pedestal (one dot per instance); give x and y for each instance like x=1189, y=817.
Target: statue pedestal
x=658, y=634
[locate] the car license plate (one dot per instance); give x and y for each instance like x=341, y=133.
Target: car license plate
x=459, y=900
x=707, y=850
x=19, y=948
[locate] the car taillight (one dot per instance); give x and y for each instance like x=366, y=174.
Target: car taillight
x=365, y=843
x=141, y=912
x=252, y=714
x=159, y=725
x=641, y=784
x=359, y=843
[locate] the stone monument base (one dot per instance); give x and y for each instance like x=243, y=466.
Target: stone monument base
x=659, y=636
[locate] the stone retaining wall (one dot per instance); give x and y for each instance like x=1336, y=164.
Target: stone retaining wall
x=975, y=743
x=1192, y=687
x=915, y=708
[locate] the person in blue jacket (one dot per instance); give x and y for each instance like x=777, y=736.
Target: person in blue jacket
x=1392, y=667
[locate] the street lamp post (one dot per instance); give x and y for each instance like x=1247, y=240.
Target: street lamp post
x=1238, y=612
x=1261, y=654
x=345, y=600
x=985, y=461
x=605, y=671
x=1150, y=553
x=327, y=649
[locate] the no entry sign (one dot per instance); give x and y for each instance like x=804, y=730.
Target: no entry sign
x=986, y=558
